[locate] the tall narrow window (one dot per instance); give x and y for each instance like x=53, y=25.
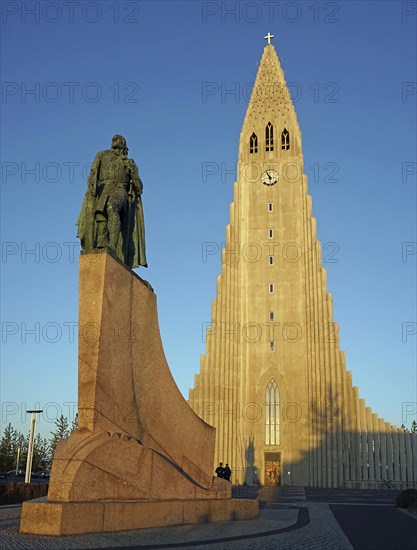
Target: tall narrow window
x=271, y=288
x=271, y=233
x=253, y=143
x=271, y=345
x=285, y=140
x=269, y=137
x=271, y=260
x=271, y=315
x=270, y=206
x=272, y=434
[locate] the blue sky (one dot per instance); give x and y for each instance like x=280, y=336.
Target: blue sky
x=161, y=74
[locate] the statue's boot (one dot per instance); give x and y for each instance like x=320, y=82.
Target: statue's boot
x=102, y=235
x=114, y=227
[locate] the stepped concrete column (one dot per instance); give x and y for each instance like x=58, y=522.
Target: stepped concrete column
x=377, y=448
x=390, y=452
x=409, y=454
x=383, y=449
x=396, y=453
x=413, y=439
x=364, y=443
x=403, y=457
x=370, y=439
x=347, y=425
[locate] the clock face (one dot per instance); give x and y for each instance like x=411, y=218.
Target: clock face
x=269, y=177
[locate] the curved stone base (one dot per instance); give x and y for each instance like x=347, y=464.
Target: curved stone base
x=141, y=456
x=97, y=466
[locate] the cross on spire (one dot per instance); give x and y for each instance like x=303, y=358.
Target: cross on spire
x=268, y=37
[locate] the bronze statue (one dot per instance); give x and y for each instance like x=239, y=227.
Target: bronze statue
x=112, y=215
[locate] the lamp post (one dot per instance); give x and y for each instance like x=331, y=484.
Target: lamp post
x=17, y=461
x=31, y=441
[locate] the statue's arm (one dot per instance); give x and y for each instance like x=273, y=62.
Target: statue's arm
x=93, y=177
x=135, y=178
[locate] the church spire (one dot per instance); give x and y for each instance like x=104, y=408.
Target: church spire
x=273, y=366
x=270, y=103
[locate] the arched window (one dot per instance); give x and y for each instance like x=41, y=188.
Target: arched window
x=272, y=433
x=253, y=143
x=269, y=137
x=285, y=140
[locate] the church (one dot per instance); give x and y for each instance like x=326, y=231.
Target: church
x=273, y=380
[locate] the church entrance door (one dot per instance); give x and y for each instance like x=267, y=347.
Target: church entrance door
x=272, y=474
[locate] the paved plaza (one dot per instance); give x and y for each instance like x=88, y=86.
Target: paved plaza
x=290, y=518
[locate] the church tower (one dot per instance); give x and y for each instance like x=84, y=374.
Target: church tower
x=273, y=381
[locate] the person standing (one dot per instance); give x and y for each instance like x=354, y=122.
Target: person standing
x=227, y=472
x=220, y=470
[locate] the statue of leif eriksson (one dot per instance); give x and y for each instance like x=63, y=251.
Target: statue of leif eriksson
x=112, y=215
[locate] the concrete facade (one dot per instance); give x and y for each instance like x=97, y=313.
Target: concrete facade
x=273, y=380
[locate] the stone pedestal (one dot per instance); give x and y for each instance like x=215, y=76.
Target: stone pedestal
x=60, y=518
x=141, y=456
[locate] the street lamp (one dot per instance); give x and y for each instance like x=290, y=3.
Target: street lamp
x=17, y=461
x=31, y=441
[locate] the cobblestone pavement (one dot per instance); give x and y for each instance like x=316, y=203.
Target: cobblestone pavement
x=321, y=533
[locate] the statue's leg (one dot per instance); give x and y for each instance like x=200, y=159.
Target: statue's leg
x=113, y=222
x=102, y=234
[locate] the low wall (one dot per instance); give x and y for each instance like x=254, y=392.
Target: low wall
x=14, y=493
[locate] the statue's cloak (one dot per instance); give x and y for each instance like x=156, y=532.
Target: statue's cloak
x=131, y=244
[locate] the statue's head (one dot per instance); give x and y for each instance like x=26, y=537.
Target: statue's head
x=119, y=142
